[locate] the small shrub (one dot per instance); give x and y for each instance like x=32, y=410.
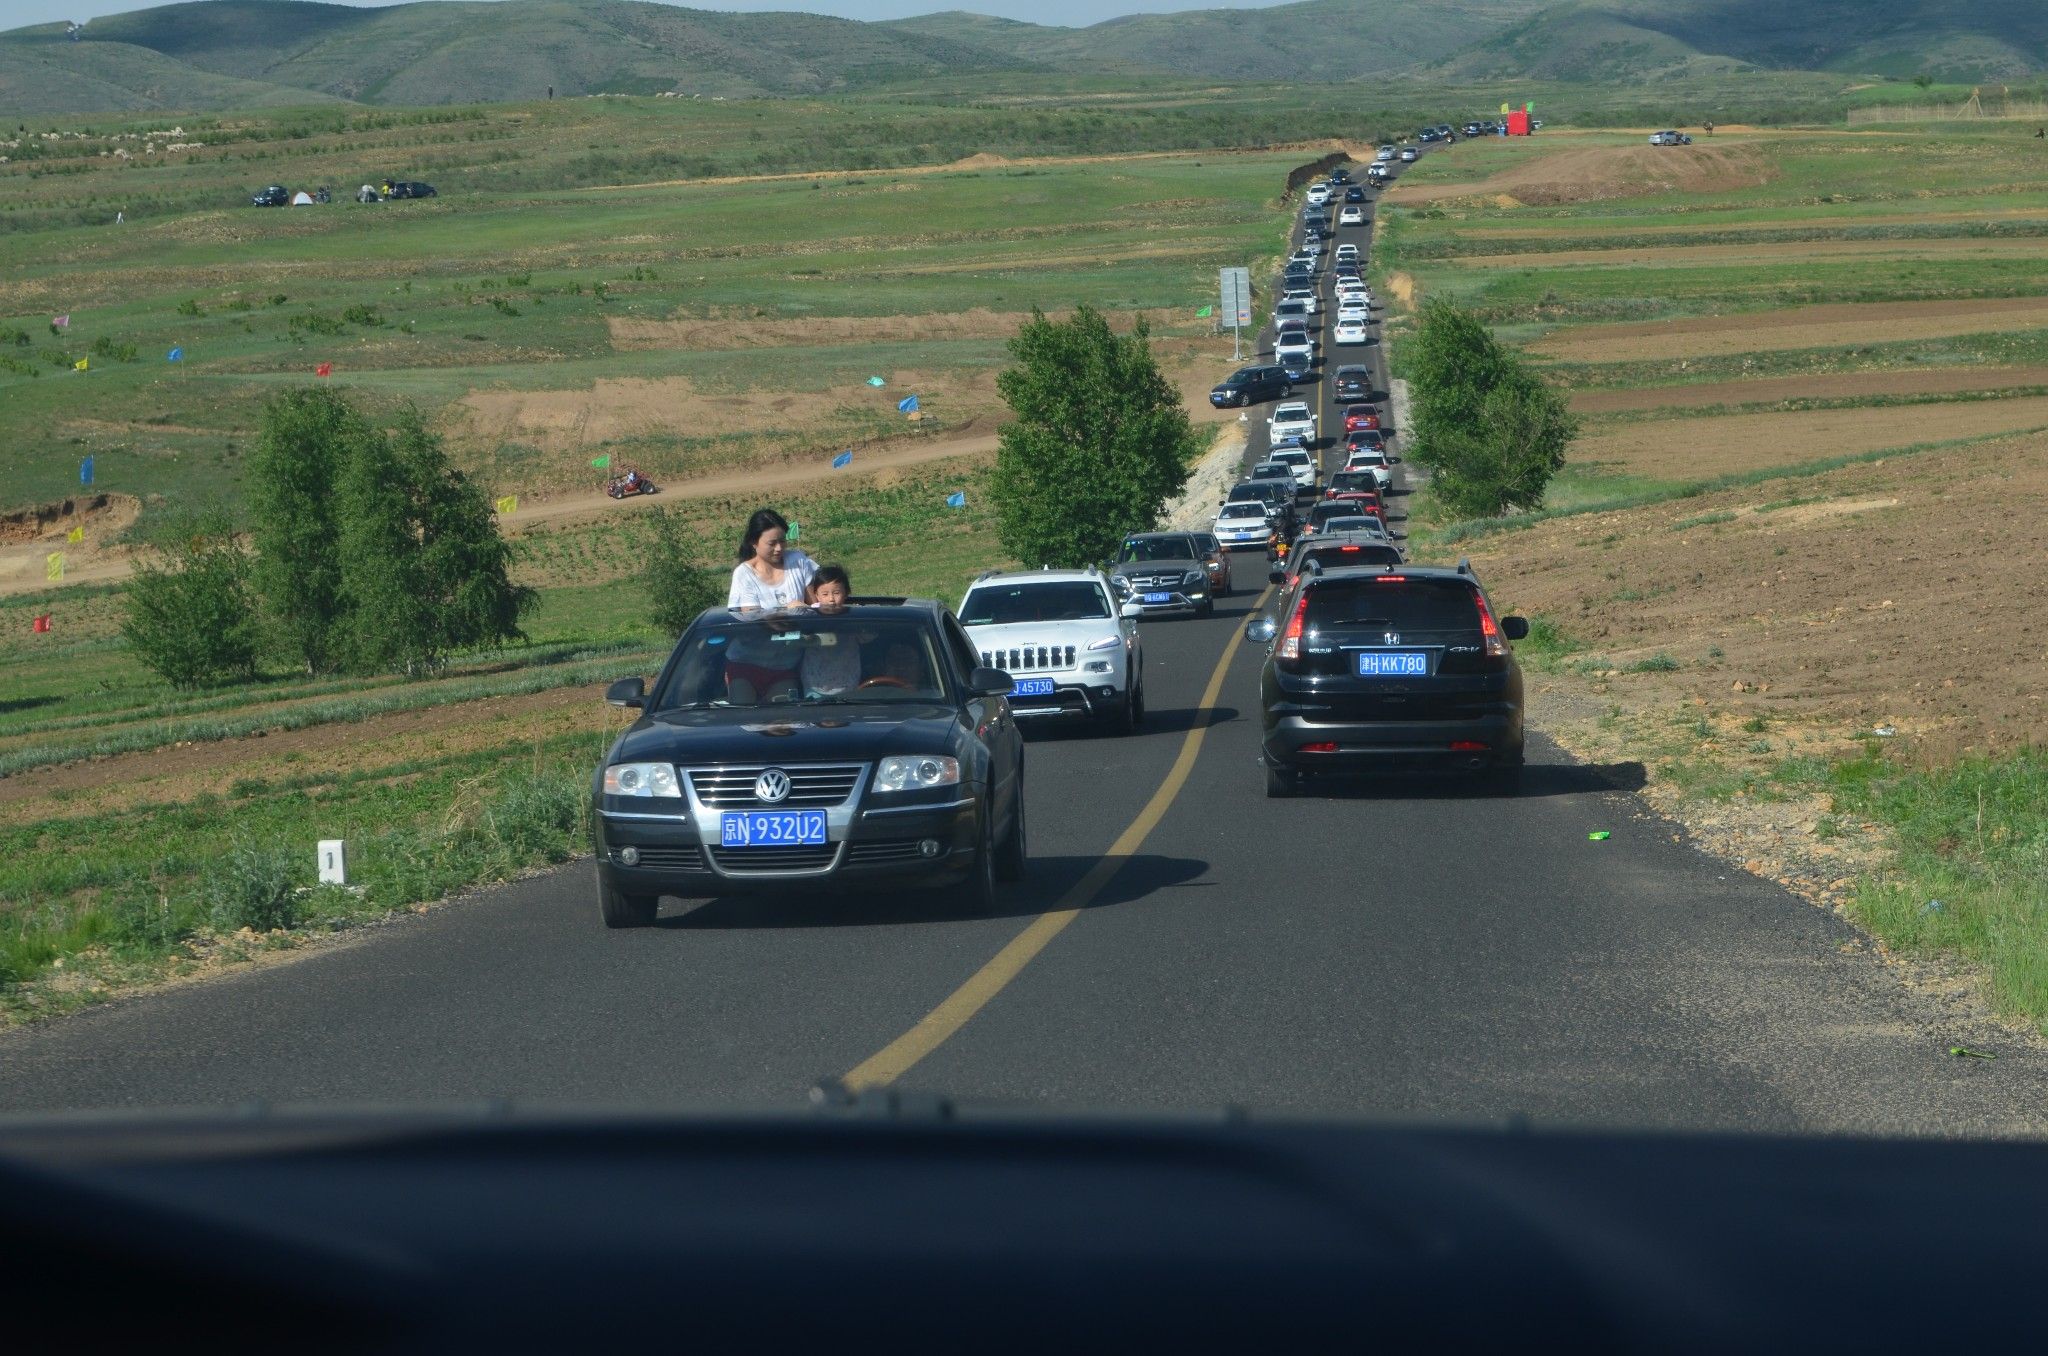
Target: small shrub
x=313, y=322
x=1656, y=663
x=142, y=920
x=362, y=315
x=250, y=887
x=503, y=306
x=192, y=618
x=278, y=298
x=241, y=304
x=190, y=306
x=536, y=819
x=678, y=585
x=103, y=347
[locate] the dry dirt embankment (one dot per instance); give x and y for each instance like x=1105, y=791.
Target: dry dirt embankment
x=1553, y=177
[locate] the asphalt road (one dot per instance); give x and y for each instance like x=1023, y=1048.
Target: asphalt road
x=1414, y=950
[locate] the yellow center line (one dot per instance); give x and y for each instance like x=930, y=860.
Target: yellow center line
x=896, y=1058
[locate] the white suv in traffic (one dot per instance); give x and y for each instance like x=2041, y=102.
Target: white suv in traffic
x=1070, y=648
x=1291, y=418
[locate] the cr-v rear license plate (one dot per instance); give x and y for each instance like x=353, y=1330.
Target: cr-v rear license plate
x=771, y=828
x=1393, y=664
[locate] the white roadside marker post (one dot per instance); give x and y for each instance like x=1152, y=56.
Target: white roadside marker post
x=333, y=861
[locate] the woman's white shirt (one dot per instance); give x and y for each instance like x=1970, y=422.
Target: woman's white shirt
x=750, y=590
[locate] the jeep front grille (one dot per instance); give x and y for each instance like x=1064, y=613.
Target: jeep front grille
x=1022, y=658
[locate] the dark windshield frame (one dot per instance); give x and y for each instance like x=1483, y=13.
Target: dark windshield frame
x=696, y=675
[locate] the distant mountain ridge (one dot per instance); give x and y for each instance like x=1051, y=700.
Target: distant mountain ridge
x=242, y=53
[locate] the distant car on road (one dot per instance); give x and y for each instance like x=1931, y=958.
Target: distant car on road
x=1217, y=559
x=1300, y=463
x=1355, y=194
x=1163, y=573
x=1276, y=496
x=1351, y=216
x=720, y=788
x=1385, y=154
x=1291, y=417
x=1333, y=550
x=1670, y=139
x=1244, y=526
x=1251, y=386
x=277, y=195
x=1398, y=666
x=1351, y=331
x=1409, y=154
x=1353, y=381
x=1318, y=194
x=410, y=188
x=1360, y=416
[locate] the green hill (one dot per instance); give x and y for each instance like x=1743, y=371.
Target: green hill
x=43, y=72
x=1621, y=40
x=1314, y=40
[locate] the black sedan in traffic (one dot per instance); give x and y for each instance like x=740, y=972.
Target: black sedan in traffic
x=800, y=750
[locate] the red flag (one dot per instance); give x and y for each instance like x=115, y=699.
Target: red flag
x=42, y=623
x=324, y=370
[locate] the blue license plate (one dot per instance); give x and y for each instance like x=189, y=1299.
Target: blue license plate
x=771, y=828
x=1158, y=598
x=1393, y=664
x=1031, y=687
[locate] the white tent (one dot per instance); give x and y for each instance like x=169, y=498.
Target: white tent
x=302, y=199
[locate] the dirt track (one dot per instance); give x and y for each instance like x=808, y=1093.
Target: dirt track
x=1553, y=176
x=1795, y=327
x=1839, y=386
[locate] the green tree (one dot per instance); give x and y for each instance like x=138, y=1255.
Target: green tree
x=1099, y=444
x=678, y=585
x=308, y=437
x=192, y=615
x=423, y=570
x=1489, y=430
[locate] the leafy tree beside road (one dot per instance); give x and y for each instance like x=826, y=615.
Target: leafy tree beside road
x=1099, y=444
x=192, y=613
x=1491, y=432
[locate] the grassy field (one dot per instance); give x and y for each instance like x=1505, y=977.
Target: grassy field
x=1778, y=570
x=540, y=318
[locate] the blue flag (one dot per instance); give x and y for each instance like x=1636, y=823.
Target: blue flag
x=85, y=472
x=174, y=355
x=843, y=460
x=957, y=499
x=876, y=381
x=907, y=404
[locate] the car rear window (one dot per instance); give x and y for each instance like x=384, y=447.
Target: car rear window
x=1352, y=480
x=1352, y=553
x=1394, y=604
x=1052, y=601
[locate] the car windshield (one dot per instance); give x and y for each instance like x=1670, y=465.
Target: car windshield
x=1157, y=548
x=802, y=657
x=1245, y=510
x=1053, y=601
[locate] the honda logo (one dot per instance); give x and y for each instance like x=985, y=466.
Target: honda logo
x=771, y=786
x=1390, y=637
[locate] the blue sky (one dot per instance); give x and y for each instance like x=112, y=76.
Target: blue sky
x=20, y=13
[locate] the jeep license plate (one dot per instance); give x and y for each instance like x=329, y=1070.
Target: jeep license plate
x=1031, y=687
x=771, y=828
x=1393, y=664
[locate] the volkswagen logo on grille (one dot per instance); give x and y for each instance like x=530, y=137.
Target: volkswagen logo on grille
x=1390, y=637
x=771, y=786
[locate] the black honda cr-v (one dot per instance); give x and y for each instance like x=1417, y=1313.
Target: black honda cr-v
x=1373, y=669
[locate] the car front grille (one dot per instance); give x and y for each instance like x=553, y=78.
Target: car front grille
x=1024, y=658
x=1156, y=582
x=761, y=861
x=810, y=784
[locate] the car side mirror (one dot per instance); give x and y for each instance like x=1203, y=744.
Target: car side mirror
x=1515, y=628
x=990, y=683
x=1261, y=629
x=627, y=692
x=1133, y=609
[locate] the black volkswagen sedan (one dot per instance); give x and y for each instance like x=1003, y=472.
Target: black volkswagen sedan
x=800, y=750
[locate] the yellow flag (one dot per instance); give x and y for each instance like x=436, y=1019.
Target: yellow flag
x=80, y=365
x=509, y=504
x=1503, y=108
x=53, y=566
x=75, y=535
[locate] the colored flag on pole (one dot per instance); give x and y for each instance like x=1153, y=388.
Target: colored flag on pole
x=75, y=535
x=843, y=460
x=1503, y=108
x=53, y=566
x=41, y=625
x=85, y=471
x=957, y=499
x=796, y=531
x=62, y=322
x=603, y=463
x=907, y=404
x=876, y=381
x=1205, y=313
x=324, y=370
x=81, y=364
x=508, y=504
x=174, y=355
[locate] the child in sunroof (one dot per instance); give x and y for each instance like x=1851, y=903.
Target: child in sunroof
x=831, y=667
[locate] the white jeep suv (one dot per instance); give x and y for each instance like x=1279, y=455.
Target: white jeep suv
x=1293, y=417
x=1070, y=648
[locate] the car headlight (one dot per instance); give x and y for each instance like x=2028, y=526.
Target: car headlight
x=1195, y=577
x=642, y=779
x=1106, y=643
x=899, y=773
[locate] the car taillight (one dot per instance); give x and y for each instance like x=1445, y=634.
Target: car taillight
x=1391, y=578
x=1496, y=643
x=1467, y=746
x=1290, y=639
x=1350, y=549
x=1324, y=746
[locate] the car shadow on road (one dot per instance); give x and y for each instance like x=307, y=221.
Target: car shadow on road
x=1044, y=887
x=1157, y=721
x=1538, y=780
